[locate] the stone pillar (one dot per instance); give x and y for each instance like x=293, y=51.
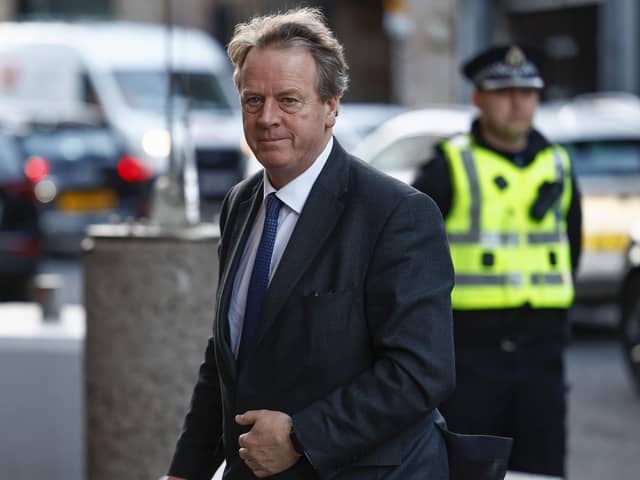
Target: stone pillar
x=149, y=299
x=474, y=27
x=618, y=51
x=424, y=64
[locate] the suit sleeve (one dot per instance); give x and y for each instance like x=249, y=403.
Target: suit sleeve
x=408, y=311
x=198, y=451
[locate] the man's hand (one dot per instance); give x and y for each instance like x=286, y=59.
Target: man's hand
x=266, y=448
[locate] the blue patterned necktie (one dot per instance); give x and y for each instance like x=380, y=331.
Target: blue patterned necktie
x=259, y=277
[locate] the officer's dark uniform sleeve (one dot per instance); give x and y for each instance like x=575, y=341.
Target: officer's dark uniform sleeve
x=434, y=179
x=574, y=224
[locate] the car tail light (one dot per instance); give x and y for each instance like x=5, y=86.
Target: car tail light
x=36, y=168
x=28, y=247
x=130, y=169
x=23, y=188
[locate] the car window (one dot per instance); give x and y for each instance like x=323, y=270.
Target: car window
x=405, y=153
x=10, y=161
x=147, y=89
x=605, y=157
x=71, y=145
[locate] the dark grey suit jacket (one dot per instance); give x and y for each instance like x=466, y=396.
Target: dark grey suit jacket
x=355, y=340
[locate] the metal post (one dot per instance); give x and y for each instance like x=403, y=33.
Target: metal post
x=170, y=206
x=47, y=294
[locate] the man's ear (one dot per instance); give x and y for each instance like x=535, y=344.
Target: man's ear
x=332, y=111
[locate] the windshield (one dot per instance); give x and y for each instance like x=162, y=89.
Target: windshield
x=605, y=157
x=147, y=89
x=72, y=145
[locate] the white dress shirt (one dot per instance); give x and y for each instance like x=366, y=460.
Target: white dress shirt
x=293, y=197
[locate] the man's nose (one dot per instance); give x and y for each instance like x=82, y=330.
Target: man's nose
x=270, y=113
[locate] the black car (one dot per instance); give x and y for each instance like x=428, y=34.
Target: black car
x=20, y=235
x=82, y=175
x=630, y=303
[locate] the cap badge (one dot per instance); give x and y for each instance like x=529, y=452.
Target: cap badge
x=515, y=57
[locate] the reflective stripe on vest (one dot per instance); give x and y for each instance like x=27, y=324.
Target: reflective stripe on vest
x=547, y=279
x=539, y=282
x=480, y=279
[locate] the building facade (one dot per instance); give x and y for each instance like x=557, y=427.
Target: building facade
x=409, y=51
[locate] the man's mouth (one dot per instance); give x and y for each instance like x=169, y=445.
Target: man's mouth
x=270, y=142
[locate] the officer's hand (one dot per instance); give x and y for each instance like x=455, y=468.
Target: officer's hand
x=266, y=448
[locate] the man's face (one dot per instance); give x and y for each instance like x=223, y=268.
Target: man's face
x=507, y=113
x=285, y=123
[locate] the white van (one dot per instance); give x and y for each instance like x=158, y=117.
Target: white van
x=119, y=69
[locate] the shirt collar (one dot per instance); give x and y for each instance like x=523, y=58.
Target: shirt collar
x=294, y=194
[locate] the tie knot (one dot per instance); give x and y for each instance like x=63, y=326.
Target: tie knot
x=273, y=206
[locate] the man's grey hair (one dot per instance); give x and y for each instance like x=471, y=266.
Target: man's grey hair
x=304, y=27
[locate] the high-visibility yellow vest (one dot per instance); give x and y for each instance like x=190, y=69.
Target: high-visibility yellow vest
x=502, y=257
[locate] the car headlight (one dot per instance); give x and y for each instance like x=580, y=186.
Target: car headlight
x=156, y=143
x=634, y=255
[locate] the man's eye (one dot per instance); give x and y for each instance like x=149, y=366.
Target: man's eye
x=252, y=104
x=290, y=104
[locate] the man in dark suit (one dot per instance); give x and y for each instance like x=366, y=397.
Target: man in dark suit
x=332, y=342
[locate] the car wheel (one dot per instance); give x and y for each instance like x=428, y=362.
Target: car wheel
x=630, y=328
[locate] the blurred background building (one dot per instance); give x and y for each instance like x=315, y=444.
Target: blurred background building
x=408, y=51
x=404, y=56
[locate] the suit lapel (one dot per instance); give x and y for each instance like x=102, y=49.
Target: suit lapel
x=240, y=229
x=317, y=220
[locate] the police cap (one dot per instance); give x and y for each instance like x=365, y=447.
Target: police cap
x=509, y=66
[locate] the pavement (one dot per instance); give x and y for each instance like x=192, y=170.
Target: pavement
x=604, y=409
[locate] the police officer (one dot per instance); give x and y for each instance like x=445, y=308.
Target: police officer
x=512, y=212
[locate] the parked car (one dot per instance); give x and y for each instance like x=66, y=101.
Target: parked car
x=120, y=70
x=630, y=307
x=356, y=120
x=403, y=143
x=82, y=174
x=602, y=135
x=20, y=238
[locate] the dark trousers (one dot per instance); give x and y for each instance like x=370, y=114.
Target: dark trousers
x=514, y=387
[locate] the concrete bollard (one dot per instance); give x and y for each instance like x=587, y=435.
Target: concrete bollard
x=149, y=299
x=46, y=288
